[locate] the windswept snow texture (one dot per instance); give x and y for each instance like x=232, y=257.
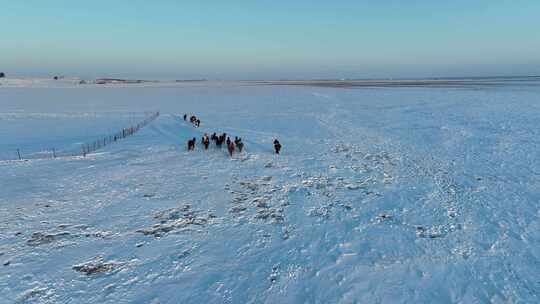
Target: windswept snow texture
x=380, y=195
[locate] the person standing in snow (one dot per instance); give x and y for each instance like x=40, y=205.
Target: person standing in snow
x=185, y=117
x=277, y=146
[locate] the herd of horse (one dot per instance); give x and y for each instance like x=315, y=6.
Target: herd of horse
x=219, y=140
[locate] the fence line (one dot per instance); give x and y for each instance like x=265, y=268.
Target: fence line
x=90, y=147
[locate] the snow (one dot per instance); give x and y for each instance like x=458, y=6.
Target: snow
x=380, y=195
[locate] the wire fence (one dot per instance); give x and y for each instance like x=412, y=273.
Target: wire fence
x=87, y=148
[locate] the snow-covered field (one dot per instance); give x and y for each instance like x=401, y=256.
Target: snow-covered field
x=381, y=195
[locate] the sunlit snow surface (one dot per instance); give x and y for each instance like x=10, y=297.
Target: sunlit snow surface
x=381, y=195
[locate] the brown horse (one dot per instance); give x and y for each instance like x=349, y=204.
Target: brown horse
x=230, y=146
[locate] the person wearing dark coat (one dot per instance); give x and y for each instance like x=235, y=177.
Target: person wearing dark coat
x=185, y=117
x=277, y=146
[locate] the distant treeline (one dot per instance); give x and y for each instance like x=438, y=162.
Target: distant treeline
x=117, y=80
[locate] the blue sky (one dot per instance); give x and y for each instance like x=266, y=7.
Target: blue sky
x=270, y=39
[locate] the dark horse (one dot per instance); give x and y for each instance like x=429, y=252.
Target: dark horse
x=191, y=144
x=277, y=146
